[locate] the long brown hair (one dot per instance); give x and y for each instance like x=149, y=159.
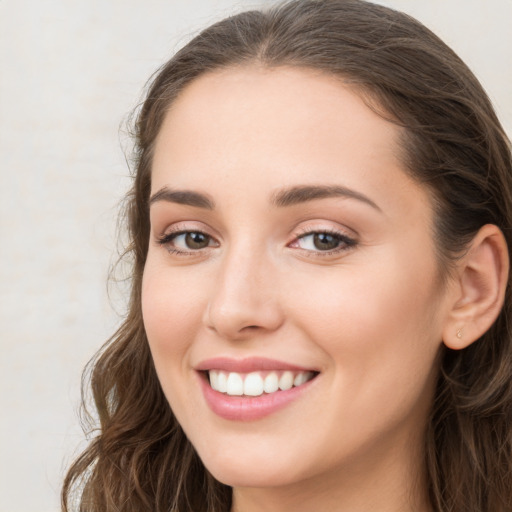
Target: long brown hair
x=139, y=459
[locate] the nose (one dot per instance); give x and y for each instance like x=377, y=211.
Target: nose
x=244, y=300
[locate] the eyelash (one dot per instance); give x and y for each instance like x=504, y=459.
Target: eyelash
x=344, y=242
x=167, y=239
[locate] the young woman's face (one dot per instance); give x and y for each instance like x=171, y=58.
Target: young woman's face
x=290, y=248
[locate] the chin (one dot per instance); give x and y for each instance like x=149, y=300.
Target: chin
x=249, y=477
x=251, y=471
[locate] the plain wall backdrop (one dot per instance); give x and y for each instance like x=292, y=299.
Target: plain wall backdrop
x=70, y=72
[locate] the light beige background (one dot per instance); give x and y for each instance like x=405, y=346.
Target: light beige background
x=70, y=72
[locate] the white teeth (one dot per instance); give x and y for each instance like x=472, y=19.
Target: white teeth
x=254, y=384
x=214, y=379
x=300, y=378
x=222, y=383
x=271, y=383
x=235, y=385
x=286, y=381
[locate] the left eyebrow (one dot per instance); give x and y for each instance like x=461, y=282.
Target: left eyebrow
x=303, y=193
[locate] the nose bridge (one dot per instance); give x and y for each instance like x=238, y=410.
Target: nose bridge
x=245, y=295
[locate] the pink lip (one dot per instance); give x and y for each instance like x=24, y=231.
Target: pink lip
x=236, y=408
x=250, y=364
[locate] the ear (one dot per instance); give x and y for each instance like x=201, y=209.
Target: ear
x=481, y=281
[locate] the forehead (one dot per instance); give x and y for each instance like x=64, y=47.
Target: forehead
x=254, y=104
x=250, y=126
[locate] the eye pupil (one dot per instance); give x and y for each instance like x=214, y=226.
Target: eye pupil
x=196, y=240
x=325, y=242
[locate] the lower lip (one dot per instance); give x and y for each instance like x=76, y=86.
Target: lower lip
x=246, y=408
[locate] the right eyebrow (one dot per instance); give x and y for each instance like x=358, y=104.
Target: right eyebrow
x=304, y=193
x=186, y=197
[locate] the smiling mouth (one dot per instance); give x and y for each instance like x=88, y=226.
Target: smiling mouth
x=256, y=383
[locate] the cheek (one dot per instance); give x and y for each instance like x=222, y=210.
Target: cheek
x=374, y=317
x=381, y=339
x=172, y=312
x=171, y=320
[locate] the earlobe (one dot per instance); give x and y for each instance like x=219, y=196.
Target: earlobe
x=482, y=278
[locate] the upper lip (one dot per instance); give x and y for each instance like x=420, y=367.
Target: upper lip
x=247, y=365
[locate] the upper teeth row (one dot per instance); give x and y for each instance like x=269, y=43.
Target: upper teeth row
x=254, y=384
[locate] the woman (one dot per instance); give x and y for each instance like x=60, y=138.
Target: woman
x=320, y=231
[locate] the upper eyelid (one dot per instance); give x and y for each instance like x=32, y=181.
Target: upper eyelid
x=342, y=236
x=181, y=227
x=179, y=232
x=186, y=227
x=338, y=234
x=343, y=239
x=339, y=230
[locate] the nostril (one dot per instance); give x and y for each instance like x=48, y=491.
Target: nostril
x=232, y=318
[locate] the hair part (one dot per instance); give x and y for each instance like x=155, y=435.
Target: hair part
x=452, y=143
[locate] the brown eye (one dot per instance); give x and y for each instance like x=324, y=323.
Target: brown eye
x=325, y=241
x=196, y=240
x=184, y=241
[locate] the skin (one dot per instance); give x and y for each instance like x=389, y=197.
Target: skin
x=369, y=316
